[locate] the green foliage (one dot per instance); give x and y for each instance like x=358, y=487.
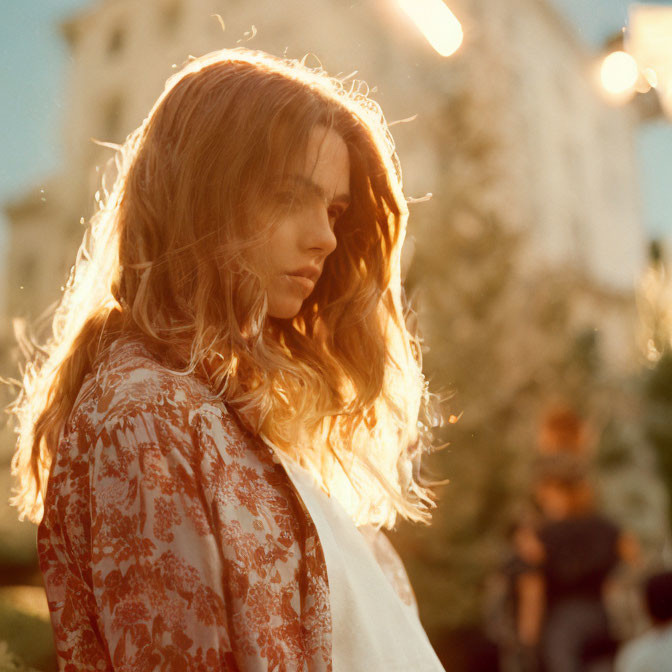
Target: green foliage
x=614, y=452
x=503, y=343
x=658, y=418
x=27, y=641
x=658, y=384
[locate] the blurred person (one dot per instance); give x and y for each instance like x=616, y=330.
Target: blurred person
x=515, y=616
x=562, y=430
x=231, y=406
x=652, y=651
x=467, y=649
x=579, y=549
x=530, y=588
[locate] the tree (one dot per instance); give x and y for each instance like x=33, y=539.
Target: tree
x=501, y=338
x=655, y=310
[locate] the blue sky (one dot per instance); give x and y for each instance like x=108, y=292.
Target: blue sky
x=32, y=76
x=34, y=64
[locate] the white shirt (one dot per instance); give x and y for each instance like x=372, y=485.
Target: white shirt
x=372, y=629
x=652, y=652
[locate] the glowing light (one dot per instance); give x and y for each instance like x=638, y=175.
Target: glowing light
x=436, y=22
x=649, y=40
x=651, y=77
x=619, y=73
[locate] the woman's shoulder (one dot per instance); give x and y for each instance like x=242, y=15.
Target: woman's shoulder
x=134, y=417
x=132, y=400
x=129, y=381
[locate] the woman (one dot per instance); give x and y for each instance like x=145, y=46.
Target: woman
x=230, y=389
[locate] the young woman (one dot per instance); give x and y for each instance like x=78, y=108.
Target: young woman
x=231, y=406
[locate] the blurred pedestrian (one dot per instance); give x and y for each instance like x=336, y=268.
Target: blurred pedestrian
x=652, y=651
x=581, y=547
x=563, y=431
x=515, y=619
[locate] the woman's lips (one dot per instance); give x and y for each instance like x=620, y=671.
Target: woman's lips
x=306, y=284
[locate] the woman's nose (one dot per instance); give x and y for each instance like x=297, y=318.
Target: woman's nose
x=321, y=234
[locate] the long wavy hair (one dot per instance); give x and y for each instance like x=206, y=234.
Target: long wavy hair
x=167, y=258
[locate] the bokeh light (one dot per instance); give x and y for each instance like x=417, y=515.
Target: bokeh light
x=651, y=77
x=619, y=73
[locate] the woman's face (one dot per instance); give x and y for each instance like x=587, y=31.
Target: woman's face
x=309, y=202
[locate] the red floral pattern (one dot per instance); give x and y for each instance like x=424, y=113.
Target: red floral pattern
x=159, y=552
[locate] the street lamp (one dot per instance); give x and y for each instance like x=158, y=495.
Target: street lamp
x=619, y=74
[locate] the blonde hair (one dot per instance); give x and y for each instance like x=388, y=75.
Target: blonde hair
x=339, y=388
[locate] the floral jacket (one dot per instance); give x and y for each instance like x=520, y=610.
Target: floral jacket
x=161, y=552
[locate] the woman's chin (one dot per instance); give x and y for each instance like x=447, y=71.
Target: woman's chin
x=284, y=310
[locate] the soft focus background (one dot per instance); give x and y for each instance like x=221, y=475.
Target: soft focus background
x=538, y=268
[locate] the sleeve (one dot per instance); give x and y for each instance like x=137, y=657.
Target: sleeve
x=156, y=559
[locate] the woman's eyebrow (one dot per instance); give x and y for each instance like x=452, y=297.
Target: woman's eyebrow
x=308, y=184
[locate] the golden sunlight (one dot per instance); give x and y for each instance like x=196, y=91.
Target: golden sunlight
x=649, y=40
x=651, y=77
x=619, y=73
x=436, y=22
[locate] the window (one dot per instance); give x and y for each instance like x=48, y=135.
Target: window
x=573, y=168
x=27, y=270
x=579, y=240
x=111, y=126
x=116, y=41
x=171, y=16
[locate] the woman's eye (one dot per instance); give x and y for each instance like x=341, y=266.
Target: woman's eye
x=335, y=213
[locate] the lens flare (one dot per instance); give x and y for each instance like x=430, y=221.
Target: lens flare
x=436, y=22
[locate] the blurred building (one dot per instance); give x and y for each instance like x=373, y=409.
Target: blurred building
x=568, y=160
x=573, y=156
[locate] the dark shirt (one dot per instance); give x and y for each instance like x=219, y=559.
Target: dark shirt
x=580, y=554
